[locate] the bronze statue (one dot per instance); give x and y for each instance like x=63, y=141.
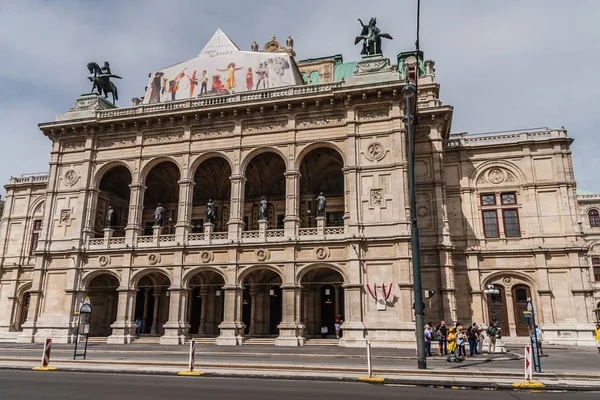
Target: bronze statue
x=210, y=211
x=111, y=217
x=263, y=209
x=254, y=46
x=101, y=80
x=371, y=37
x=321, y=202
x=159, y=213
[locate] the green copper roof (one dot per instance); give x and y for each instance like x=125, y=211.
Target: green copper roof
x=584, y=192
x=343, y=71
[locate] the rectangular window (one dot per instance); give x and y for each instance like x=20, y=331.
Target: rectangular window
x=596, y=265
x=35, y=235
x=511, y=223
x=508, y=198
x=488, y=199
x=490, y=224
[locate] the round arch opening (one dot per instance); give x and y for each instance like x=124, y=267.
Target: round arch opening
x=262, y=302
x=162, y=190
x=212, y=190
x=112, y=206
x=205, y=312
x=152, y=303
x=102, y=291
x=322, y=300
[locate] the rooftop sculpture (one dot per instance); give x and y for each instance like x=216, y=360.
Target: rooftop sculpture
x=371, y=36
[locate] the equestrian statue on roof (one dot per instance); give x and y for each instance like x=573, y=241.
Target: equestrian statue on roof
x=101, y=80
x=371, y=37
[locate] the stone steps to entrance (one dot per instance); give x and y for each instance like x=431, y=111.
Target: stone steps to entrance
x=260, y=341
x=95, y=339
x=203, y=340
x=322, y=342
x=147, y=339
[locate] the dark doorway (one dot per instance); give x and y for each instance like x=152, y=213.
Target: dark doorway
x=196, y=304
x=520, y=295
x=275, y=308
x=497, y=310
x=328, y=307
x=246, y=310
x=24, y=309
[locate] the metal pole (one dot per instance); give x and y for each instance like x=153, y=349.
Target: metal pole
x=369, y=366
x=414, y=240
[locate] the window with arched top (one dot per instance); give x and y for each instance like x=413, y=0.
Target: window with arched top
x=315, y=77
x=594, y=217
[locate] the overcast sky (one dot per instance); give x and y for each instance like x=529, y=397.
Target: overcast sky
x=503, y=65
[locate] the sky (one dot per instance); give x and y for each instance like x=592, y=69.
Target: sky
x=503, y=65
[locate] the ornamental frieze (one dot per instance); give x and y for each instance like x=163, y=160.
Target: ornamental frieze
x=265, y=125
x=373, y=114
x=162, y=135
x=74, y=144
x=312, y=120
x=116, y=141
x=199, y=132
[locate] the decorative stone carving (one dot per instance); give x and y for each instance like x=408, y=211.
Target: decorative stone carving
x=65, y=216
x=422, y=211
x=496, y=176
x=73, y=144
x=71, y=176
x=422, y=133
x=206, y=257
x=262, y=254
x=153, y=258
x=265, y=125
x=116, y=141
x=311, y=120
x=373, y=114
x=507, y=281
x=376, y=197
x=375, y=151
x=322, y=252
x=162, y=135
x=199, y=132
x=104, y=260
x=375, y=64
x=510, y=177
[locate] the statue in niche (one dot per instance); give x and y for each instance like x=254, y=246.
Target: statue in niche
x=111, y=217
x=210, y=212
x=263, y=209
x=371, y=37
x=321, y=202
x=254, y=46
x=159, y=215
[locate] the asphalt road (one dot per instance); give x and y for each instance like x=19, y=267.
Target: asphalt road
x=15, y=385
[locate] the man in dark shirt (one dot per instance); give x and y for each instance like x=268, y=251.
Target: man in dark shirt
x=443, y=338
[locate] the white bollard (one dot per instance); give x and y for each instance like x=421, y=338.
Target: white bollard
x=528, y=364
x=190, y=371
x=46, y=357
x=369, y=367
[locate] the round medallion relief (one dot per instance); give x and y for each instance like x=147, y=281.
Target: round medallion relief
x=206, y=257
x=262, y=254
x=322, y=252
x=496, y=176
x=375, y=151
x=153, y=258
x=71, y=176
x=422, y=211
x=104, y=260
x=507, y=281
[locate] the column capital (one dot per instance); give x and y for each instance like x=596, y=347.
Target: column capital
x=186, y=181
x=292, y=173
x=137, y=185
x=237, y=177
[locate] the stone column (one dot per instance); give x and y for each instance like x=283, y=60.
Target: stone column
x=263, y=224
x=156, y=232
x=90, y=214
x=232, y=328
x=291, y=221
x=123, y=329
x=337, y=299
x=353, y=326
x=208, y=231
x=236, y=206
x=203, y=308
x=252, y=329
x=145, y=311
x=108, y=234
x=134, y=218
x=154, y=328
x=290, y=329
x=184, y=210
x=176, y=329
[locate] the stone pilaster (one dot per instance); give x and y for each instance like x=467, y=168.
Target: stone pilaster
x=232, y=328
x=176, y=329
x=290, y=328
x=136, y=206
x=236, y=220
x=184, y=210
x=292, y=214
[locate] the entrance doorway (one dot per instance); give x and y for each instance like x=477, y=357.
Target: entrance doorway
x=205, y=312
x=24, y=310
x=152, y=303
x=322, y=300
x=102, y=291
x=497, y=310
x=262, y=303
x=520, y=295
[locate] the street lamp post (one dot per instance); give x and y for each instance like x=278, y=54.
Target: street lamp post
x=409, y=91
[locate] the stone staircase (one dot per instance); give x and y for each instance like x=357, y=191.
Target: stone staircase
x=203, y=340
x=322, y=342
x=94, y=340
x=265, y=341
x=147, y=339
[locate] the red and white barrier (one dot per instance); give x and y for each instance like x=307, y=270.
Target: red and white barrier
x=46, y=354
x=192, y=354
x=528, y=364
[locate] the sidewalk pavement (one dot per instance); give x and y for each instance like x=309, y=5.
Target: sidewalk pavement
x=321, y=363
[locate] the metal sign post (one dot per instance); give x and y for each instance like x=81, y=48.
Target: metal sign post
x=530, y=315
x=83, y=326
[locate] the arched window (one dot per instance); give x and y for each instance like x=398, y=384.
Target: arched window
x=594, y=217
x=305, y=78
x=315, y=77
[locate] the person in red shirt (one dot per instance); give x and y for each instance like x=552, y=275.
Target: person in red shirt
x=338, y=325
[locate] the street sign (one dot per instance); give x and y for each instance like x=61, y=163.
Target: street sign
x=527, y=314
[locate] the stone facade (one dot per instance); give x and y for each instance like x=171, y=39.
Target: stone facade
x=492, y=209
x=589, y=223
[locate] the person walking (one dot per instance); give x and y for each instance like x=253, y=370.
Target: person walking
x=452, y=347
x=338, y=325
x=540, y=339
x=443, y=339
x=491, y=331
x=427, y=334
x=472, y=338
x=461, y=339
x=597, y=336
x=480, y=340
